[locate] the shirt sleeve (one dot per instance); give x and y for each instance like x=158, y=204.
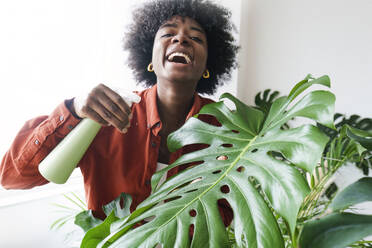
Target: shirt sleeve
x=38, y=137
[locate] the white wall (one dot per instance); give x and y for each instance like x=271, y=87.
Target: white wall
x=27, y=223
x=282, y=41
x=53, y=50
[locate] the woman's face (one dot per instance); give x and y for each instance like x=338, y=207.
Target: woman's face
x=180, y=51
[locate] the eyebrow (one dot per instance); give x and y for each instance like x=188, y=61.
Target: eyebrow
x=174, y=25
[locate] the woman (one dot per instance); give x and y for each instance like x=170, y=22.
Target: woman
x=178, y=48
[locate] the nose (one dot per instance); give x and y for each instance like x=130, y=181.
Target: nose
x=180, y=38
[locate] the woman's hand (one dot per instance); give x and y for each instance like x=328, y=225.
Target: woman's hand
x=106, y=107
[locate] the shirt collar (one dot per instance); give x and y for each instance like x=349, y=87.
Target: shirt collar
x=152, y=113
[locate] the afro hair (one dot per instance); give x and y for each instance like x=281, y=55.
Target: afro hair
x=215, y=21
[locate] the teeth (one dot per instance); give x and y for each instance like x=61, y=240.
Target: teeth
x=187, y=58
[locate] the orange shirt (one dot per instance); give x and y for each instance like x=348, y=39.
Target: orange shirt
x=114, y=162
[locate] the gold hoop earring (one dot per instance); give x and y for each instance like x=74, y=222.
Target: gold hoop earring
x=206, y=74
x=150, y=68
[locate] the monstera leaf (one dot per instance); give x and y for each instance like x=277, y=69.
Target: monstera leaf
x=338, y=228
x=265, y=99
x=184, y=212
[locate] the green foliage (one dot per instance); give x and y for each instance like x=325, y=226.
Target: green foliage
x=345, y=147
x=265, y=99
x=339, y=229
x=120, y=206
x=118, y=209
x=261, y=189
x=69, y=210
x=94, y=236
x=362, y=137
x=340, y=140
x=263, y=179
x=354, y=121
x=336, y=230
x=355, y=193
x=86, y=220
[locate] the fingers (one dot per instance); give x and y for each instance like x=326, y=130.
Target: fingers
x=107, y=115
x=94, y=116
x=106, y=107
x=114, y=101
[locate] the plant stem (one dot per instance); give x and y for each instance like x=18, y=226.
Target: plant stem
x=292, y=238
x=357, y=244
x=312, y=199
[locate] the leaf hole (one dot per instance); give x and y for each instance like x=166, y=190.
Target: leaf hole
x=227, y=145
x=196, y=180
x=225, y=211
x=191, y=191
x=192, y=213
x=191, y=164
x=235, y=131
x=277, y=155
x=225, y=189
x=240, y=169
x=148, y=219
x=216, y=172
x=254, y=150
x=206, y=118
x=173, y=198
x=187, y=183
x=191, y=231
x=222, y=157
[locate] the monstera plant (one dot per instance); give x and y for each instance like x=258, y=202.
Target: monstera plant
x=267, y=173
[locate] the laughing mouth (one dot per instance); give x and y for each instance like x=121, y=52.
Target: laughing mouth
x=178, y=57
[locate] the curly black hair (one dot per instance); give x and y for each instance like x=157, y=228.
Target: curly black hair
x=215, y=21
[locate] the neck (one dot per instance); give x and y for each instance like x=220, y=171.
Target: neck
x=174, y=102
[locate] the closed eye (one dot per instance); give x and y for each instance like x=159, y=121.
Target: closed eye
x=167, y=35
x=197, y=39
